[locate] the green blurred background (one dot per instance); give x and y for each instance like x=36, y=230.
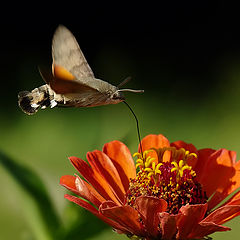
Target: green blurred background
x=185, y=56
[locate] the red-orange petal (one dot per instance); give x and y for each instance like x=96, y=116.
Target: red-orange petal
x=82, y=189
x=88, y=192
x=187, y=146
x=101, y=164
x=122, y=160
x=234, y=200
x=235, y=180
x=68, y=181
x=230, y=186
x=168, y=226
x=82, y=203
x=189, y=217
x=215, y=199
x=95, y=179
x=126, y=216
x=206, y=228
x=219, y=166
x=149, y=207
x=203, y=158
x=155, y=141
x=223, y=214
x=94, y=211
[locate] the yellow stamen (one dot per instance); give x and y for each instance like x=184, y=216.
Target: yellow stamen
x=158, y=166
x=139, y=165
x=137, y=154
x=148, y=170
x=175, y=166
x=180, y=167
x=181, y=164
x=139, y=160
x=150, y=174
x=149, y=164
x=193, y=154
x=149, y=161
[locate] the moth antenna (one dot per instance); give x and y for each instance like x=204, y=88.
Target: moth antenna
x=138, y=131
x=130, y=90
x=126, y=80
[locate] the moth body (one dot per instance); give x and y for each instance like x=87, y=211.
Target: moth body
x=44, y=96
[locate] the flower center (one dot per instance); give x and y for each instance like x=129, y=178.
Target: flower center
x=167, y=176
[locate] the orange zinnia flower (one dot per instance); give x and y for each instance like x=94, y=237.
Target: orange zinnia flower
x=173, y=195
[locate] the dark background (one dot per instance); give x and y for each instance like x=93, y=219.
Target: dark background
x=185, y=55
x=174, y=46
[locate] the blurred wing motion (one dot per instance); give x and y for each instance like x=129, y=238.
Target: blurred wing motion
x=67, y=54
x=70, y=70
x=71, y=82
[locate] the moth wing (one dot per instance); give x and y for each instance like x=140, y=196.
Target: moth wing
x=67, y=54
x=71, y=87
x=63, y=82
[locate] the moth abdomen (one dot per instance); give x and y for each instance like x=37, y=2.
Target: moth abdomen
x=25, y=102
x=30, y=102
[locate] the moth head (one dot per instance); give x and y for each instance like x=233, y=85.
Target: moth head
x=117, y=96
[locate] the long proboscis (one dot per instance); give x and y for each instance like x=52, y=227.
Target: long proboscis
x=130, y=90
x=138, y=130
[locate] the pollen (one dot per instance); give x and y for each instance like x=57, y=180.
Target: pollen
x=172, y=180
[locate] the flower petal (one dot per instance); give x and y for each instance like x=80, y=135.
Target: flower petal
x=223, y=214
x=101, y=164
x=88, y=192
x=94, y=211
x=219, y=166
x=149, y=207
x=187, y=146
x=206, y=228
x=126, y=216
x=234, y=200
x=94, y=178
x=122, y=160
x=168, y=225
x=231, y=185
x=190, y=216
x=68, y=181
x=203, y=158
x=155, y=141
x=235, y=181
x=82, y=203
x=82, y=189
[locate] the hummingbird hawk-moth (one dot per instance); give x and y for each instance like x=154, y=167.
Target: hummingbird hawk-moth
x=71, y=82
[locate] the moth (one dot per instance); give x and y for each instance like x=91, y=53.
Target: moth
x=71, y=83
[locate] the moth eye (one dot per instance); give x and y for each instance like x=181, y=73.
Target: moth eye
x=115, y=96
